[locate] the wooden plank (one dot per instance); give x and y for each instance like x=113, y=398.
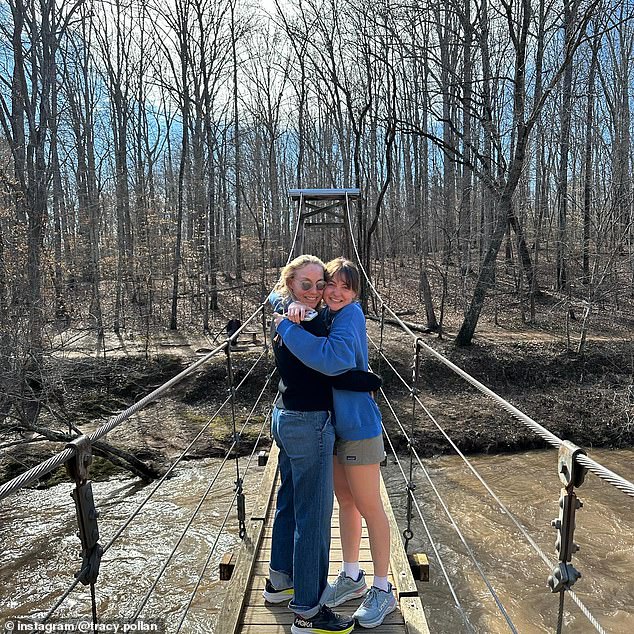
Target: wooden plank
x=419, y=565
x=261, y=568
x=227, y=566
x=234, y=599
x=414, y=615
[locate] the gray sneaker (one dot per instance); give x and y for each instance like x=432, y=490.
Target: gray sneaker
x=375, y=607
x=343, y=589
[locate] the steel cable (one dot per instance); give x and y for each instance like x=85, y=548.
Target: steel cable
x=560, y=613
x=450, y=516
x=297, y=227
x=213, y=547
x=236, y=436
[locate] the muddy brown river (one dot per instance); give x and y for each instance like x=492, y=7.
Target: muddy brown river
x=40, y=546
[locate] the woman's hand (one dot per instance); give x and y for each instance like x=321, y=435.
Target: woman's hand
x=277, y=318
x=296, y=312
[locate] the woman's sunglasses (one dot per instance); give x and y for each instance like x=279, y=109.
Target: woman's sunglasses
x=306, y=285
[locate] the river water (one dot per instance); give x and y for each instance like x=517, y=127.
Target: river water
x=40, y=547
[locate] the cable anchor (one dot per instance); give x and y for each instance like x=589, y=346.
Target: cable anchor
x=572, y=475
x=91, y=550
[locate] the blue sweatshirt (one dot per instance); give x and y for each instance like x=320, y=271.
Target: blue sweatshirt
x=357, y=416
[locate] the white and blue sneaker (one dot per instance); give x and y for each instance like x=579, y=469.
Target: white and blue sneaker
x=342, y=589
x=375, y=607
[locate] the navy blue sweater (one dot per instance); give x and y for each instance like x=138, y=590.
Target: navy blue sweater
x=302, y=388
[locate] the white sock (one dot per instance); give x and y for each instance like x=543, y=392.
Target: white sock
x=351, y=569
x=380, y=583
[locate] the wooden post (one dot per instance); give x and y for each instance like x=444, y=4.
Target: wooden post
x=227, y=564
x=419, y=565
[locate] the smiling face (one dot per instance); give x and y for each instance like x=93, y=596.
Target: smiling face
x=307, y=285
x=338, y=293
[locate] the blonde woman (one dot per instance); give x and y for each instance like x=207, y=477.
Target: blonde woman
x=302, y=429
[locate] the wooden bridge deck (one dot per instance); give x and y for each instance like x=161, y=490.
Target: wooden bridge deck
x=244, y=610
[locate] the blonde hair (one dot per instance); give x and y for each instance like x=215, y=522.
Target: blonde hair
x=347, y=271
x=288, y=273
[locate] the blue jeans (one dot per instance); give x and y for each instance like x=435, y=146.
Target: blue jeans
x=301, y=530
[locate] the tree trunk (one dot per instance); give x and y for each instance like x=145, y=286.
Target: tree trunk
x=562, y=190
x=486, y=279
x=588, y=179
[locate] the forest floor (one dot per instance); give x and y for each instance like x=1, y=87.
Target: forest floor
x=586, y=397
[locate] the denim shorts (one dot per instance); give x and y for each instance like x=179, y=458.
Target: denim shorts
x=366, y=451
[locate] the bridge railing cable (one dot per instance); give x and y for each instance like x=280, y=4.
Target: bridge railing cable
x=421, y=516
x=502, y=506
x=63, y=456
x=411, y=498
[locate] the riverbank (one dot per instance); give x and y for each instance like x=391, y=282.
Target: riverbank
x=586, y=398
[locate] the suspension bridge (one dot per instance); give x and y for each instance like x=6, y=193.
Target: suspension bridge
x=243, y=608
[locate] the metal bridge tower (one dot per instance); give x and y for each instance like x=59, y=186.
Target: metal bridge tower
x=327, y=209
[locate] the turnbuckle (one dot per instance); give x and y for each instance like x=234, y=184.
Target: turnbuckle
x=241, y=507
x=571, y=474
